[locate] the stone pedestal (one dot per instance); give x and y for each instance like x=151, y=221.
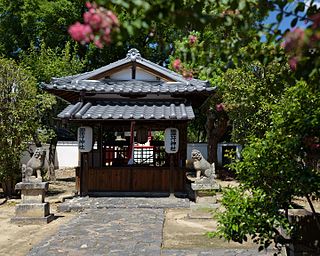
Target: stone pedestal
x=205, y=194
x=32, y=209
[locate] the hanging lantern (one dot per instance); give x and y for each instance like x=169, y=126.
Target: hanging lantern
x=85, y=136
x=142, y=135
x=171, y=140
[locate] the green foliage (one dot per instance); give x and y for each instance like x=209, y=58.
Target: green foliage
x=158, y=136
x=21, y=109
x=274, y=112
x=249, y=213
x=26, y=21
x=197, y=128
x=249, y=91
x=46, y=63
x=278, y=161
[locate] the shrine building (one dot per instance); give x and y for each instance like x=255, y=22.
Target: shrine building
x=132, y=118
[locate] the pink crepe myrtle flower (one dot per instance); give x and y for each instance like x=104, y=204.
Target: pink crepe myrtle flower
x=97, y=27
x=192, y=39
x=293, y=39
x=89, y=5
x=93, y=19
x=80, y=32
x=98, y=43
x=113, y=17
x=220, y=107
x=293, y=63
x=315, y=146
x=177, y=64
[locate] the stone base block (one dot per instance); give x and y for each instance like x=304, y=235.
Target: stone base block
x=32, y=210
x=198, y=206
x=32, y=220
x=32, y=192
x=205, y=186
x=206, y=199
x=32, y=185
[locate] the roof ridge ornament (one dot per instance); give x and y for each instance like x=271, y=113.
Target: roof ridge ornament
x=133, y=54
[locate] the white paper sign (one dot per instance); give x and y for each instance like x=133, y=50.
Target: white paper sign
x=171, y=140
x=85, y=138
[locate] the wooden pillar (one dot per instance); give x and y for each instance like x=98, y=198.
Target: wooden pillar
x=99, y=140
x=171, y=175
x=183, y=145
x=180, y=181
x=84, y=174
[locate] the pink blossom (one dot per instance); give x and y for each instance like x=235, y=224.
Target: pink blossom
x=80, y=32
x=88, y=5
x=177, y=64
x=293, y=62
x=113, y=17
x=293, y=39
x=98, y=43
x=220, y=107
x=315, y=146
x=95, y=21
x=97, y=27
x=107, y=31
x=192, y=39
x=87, y=17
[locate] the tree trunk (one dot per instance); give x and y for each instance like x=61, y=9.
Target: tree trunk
x=216, y=127
x=52, y=156
x=8, y=187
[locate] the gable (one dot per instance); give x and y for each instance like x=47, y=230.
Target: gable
x=140, y=74
x=133, y=67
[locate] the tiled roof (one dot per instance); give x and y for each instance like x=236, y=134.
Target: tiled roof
x=108, y=86
x=85, y=82
x=133, y=56
x=128, y=110
x=100, y=84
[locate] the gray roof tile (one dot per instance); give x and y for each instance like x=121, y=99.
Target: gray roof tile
x=82, y=82
x=129, y=110
x=129, y=87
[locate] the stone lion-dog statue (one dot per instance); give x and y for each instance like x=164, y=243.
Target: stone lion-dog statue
x=204, y=169
x=34, y=165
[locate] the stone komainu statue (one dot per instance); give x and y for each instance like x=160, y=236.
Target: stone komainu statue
x=34, y=165
x=202, y=166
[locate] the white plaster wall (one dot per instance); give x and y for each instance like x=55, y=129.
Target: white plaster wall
x=143, y=75
x=126, y=74
x=202, y=147
x=67, y=154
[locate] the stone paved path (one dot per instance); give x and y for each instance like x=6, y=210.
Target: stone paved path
x=108, y=232
x=119, y=227
x=215, y=252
